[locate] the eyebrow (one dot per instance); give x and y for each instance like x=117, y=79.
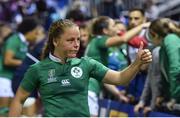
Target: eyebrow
x=134, y=17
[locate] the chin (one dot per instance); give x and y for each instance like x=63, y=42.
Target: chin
x=72, y=56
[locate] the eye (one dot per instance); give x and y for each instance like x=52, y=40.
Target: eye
x=70, y=40
x=136, y=18
x=78, y=39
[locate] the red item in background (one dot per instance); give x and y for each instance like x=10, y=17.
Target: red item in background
x=135, y=41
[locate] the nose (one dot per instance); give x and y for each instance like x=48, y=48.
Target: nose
x=133, y=21
x=76, y=43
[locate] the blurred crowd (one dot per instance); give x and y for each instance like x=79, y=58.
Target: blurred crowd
x=23, y=34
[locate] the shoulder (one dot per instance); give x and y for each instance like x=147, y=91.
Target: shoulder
x=87, y=59
x=172, y=37
x=75, y=61
x=13, y=37
x=41, y=63
x=171, y=41
x=102, y=38
x=99, y=37
x=84, y=60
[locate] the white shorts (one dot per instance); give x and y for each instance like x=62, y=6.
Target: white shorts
x=5, y=87
x=93, y=103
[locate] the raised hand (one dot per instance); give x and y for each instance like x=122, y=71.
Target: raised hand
x=144, y=56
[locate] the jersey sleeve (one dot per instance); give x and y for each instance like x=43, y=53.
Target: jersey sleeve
x=172, y=46
x=30, y=80
x=98, y=70
x=101, y=42
x=12, y=44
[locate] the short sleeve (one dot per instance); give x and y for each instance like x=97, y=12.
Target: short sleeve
x=101, y=41
x=98, y=70
x=12, y=44
x=30, y=80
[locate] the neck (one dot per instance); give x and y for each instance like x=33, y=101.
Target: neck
x=63, y=59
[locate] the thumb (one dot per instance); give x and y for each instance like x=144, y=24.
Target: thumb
x=141, y=46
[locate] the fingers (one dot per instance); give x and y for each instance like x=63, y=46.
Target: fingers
x=146, y=25
x=137, y=108
x=141, y=46
x=146, y=56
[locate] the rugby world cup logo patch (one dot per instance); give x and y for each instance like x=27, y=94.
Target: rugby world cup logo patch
x=76, y=72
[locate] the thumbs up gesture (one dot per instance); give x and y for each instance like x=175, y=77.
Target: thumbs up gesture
x=144, y=56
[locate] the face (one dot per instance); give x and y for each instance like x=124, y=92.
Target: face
x=120, y=28
x=84, y=37
x=32, y=36
x=40, y=33
x=67, y=45
x=135, y=19
x=111, y=28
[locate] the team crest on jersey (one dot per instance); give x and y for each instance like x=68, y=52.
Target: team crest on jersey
x=51, y=75
x=76, y=72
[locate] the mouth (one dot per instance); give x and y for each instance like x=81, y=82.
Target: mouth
x=74, y=51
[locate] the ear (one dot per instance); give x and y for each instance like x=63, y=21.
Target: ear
x=105, y=31
x=55, y=42
x=160, y=38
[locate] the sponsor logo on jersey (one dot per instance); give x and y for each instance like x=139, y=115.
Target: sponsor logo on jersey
x=51, y=75
x=76, y=72
x=65, y=82
x=23, y=49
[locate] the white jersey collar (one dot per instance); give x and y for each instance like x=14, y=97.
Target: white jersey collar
x=55, y=59
x=22, y=38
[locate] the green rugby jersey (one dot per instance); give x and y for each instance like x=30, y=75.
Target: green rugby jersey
x=19, y=46
x=63, y=87
x=98, y=50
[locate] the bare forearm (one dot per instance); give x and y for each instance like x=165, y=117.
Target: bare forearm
x=10, y=60
x=13, y=62
x=112, y=89
x=15, y=108
x=129, y=73
x=131, y=33
x=118, y=40
x=122, y=77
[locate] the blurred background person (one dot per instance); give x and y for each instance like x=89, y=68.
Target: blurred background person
x=165, y=33
x=136, y=17
x=117, y=59
x=84, y=38
x=32, y=56
x=13, y=52
x=152, y=86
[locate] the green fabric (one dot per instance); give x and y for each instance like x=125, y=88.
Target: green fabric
x=170, y=64
x=98, y=50
x=63, y=89
x=0, y=62
x=19, y=49
x=4, y=111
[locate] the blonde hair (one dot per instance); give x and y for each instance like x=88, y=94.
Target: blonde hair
x=56, y=30
x=164, y=26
